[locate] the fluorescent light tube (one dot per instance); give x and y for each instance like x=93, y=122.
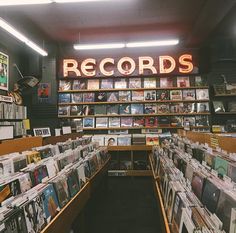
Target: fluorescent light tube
x=98, y=46
x=23, y=2
x=70, y=1
x=6, y=26
x=152, y=43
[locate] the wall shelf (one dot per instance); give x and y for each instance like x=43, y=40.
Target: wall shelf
x=130, y=148
x=225, y=113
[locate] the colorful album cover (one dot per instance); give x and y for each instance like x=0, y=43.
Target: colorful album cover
x=189, y=108
x=164, y=121
x=81, y=175
x=88, y=122
x=100, y=97
x=6, y=167
x=101, y=122
x=202, y=121
x=112, y=96
x=183, y=82
x=137, y=95
x=126, y=121
x=124, y=140
x=107, y=83
x=189, y=121
x=120, y=83
x=176, y=121
x=63, y=110
x=61, y=188
x=176, y=95
x=202, y=107
x=166, y=82
x=76, y=97
x=33, y=156
x=189, y=94
x=114, y=122
x=150, y=95
x=79, y=84
x=232, y=171
x=137, y=109
x=202, y=94
x=100, y=109
x=152, y=139
x=176, y=108
x=45, y=152
x=50, y=202
x=218, y=106
x=64, y=85
x=113, y=109
x=151, y=121
x=163, y=108
x=150, y=108
x=221, y=166
x=93, y=84
x=25, y=182
x=38, y=174
x=124, y=95
x=88, y=97
x=19, y=162
x=76, y=110
x=111, y=140
x=64, y=98
x=135, y=83
x=138, y=121
x=197, y=184
x=162, y=95
x=125, y=109
x=87, y=171
x=149, y=83
x=72, y=182
x=88, y=110
x=200, y=81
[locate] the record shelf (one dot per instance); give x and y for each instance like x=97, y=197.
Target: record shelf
x=164, y=222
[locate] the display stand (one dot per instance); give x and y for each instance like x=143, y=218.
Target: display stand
x=20, y=144
x=55, y=139
x=164, y=222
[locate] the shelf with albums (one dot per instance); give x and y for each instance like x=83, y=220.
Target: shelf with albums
x=33, y=185
x=195, y=177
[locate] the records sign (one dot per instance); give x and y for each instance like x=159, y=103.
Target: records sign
x=4, y=72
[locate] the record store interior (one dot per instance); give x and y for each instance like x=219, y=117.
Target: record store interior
x=117, y=116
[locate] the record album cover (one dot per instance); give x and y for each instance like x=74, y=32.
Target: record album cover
x=138, y=121
x=101, y=122
x=88, y=122
x=124, y=95
x=176, y=121
x=189, y=108
x=162, y=95
x=197, y=184
x=76, y=110
x=120, y=83
x=88, y=97
x=63, y=110
x=150, y=95
x=221, y=166
x=166, y=82
x=218, y=106
x=137, y=95
x=202, y=94
x=100, y=97
x=202, y=121
x=64, y=98
x=176, y=108
x=93, y=84
x=72, y=182
x=176, y=94
x=200, y=81
x=126, y=121
x=79, y=84
x=113, y=109
x=189, y=121
x=149, y=83
x=88, y=110
x=189, y=94
x=114, y=122
x=64, y=85
x=183, y=82
x=135, y=83
x=112, y=96
x=202, y=107
x=100, y=109
x=137, y=109
x=163, y=108
x=76, y=97
x=125, y=109
x=151, y=121
x=107, y=83
x=150, y=108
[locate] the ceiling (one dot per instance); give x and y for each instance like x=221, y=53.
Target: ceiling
x=192, y=21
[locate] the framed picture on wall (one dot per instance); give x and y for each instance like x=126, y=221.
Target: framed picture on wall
x=43, y=132
x=4, y=71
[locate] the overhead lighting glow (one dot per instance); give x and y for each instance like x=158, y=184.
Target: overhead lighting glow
x=152, y=43
x=98, y=46
x=6, y=26
x=23, y=2
x=70, y=1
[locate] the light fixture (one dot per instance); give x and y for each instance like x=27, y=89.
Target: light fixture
x=23, y=2
x=152, y=43
x=98, y=46
x=6, y=26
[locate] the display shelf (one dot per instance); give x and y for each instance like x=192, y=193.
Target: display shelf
x=130, y=148
x=225, y=113
x=133, y=89
x=164, y=226
x=138, y=115
x=122, y=128
x=138, y=173
x=64, y=219
x=152, y=169
x=224, y=95
x=134, y=102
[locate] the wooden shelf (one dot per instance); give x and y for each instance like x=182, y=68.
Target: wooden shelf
x=152, y=168
x=122, y=128
x=138, y=173
x=133, y=89
x=138, y=115
x=225, y=113
x=134, y=102
x=130, y=148
x=225, y=95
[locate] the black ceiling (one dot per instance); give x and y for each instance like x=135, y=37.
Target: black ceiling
x=192, y=21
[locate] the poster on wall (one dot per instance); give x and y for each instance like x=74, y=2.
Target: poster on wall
x=44, y=93
x=4, y=73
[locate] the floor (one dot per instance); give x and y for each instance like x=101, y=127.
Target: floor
x=123, y=205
